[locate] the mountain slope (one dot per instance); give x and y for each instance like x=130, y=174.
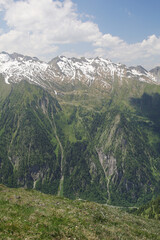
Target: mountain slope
x=33, y=134
x=30, y=214
x=28, y=142
x=90, y=132
x=150, y=210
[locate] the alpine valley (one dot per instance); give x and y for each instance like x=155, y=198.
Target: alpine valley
x=80, y=128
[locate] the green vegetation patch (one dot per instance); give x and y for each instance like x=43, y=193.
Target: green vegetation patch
x=33, y=215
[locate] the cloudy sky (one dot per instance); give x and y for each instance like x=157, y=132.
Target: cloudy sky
x=126, y=31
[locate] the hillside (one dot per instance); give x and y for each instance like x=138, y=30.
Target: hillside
x=150, y=210
x=78, y=138
x=28, y=214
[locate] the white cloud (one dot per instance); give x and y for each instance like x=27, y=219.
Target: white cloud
x=41, y=27
x=107, y=40
x=5, y=4
x=138, y=53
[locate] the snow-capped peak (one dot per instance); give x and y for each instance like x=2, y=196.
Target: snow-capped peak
x=16, y=67
x=91, y=69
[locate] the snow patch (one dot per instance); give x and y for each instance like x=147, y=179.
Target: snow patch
x=15, y=68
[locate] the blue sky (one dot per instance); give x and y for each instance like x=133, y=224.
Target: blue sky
x=125, y=31
x=131, y=20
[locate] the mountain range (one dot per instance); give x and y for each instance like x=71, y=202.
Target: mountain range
x=80, y=128
x=16, y=67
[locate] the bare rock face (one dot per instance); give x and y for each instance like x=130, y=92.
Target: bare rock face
x=108, y=163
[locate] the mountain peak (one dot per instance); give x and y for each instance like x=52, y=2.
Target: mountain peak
x=139, y=68
x=19, y=57
x=16, y=67
x=156, y=72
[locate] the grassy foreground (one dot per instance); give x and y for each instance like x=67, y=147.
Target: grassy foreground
x=28, y=214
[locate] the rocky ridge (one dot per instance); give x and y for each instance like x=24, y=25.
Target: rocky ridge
x=16, y=67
